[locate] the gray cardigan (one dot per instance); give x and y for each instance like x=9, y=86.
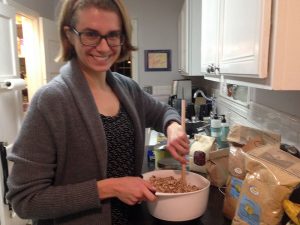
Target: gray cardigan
x=61, y=149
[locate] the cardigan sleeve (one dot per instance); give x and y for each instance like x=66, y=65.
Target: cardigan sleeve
x=158, y=114
x=31, y=183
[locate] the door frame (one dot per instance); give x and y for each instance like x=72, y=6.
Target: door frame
x=35, y=79
x=134, y=54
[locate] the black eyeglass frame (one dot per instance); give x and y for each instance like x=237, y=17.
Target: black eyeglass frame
x=100, y=36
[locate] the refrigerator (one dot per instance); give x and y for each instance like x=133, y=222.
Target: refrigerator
x=11, y=108
x=41, y=43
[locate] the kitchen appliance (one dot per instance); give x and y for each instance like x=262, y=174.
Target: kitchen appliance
x=175, y=103
x=171, y=100
x=204, y=111
x=11, y=115
x=196, y=126
x=190, y=111
x=179, y=206
x=182, y=89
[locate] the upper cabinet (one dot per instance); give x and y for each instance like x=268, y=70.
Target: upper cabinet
x=189, y=38
x=210, y=33
x=235, y=37
x=252, y=42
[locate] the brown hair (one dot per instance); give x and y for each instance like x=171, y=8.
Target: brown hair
x=67, y=17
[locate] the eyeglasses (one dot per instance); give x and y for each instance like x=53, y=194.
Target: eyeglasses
x=93, y=38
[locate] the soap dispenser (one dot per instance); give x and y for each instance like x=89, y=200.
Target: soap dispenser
x=224, y=132
x=215, y=129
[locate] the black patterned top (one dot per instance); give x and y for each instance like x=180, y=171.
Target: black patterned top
x=121, y=157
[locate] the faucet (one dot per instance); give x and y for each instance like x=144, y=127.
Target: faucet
x=212, y=99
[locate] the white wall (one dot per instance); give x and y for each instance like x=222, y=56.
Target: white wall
x=157, y=29
x=45, y=8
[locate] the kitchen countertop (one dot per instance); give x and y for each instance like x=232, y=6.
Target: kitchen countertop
x=212, y=216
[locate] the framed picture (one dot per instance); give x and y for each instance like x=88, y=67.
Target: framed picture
x=157, y=60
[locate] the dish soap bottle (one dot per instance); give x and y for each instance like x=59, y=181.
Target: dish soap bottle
x=215, y=129
x=224, y=132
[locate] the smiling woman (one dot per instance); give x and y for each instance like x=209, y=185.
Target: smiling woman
x=88, y=105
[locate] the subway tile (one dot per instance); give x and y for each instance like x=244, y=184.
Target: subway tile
x=264, y=118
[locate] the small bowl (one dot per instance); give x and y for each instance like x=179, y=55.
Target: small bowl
x=179, y=206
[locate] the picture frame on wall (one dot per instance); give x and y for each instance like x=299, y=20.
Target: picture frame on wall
x=158, y=60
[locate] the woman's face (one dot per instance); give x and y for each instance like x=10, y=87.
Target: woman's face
x=97, y=59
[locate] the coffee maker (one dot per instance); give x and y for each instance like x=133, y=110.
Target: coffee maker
x=182, y=89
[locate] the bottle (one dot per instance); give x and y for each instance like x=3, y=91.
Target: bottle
x=224, y=132
x=215, y=129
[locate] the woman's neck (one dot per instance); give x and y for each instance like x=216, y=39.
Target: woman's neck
x=96, y=81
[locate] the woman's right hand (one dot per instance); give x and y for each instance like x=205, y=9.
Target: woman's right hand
x=178, y=142
x=130, y=190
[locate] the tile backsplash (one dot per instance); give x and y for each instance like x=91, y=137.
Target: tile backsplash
x=262, y=117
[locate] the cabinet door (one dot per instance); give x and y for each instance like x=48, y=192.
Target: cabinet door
x=8, y=43
x=245, y=34
x=210, y=33
x=194, y=37
x=50, y=48
x=183, y=39
x=189, y=38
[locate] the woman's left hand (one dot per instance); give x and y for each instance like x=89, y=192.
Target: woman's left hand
x=178, y=142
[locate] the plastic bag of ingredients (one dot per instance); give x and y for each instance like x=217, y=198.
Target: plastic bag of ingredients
x=272, y=175
x=217, y=167
x=199, y=152
x=241, y=140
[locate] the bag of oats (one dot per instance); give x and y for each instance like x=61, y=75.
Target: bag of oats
x=241, y=140
x=272, y=175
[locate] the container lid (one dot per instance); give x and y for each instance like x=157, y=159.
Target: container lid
x=224, y=122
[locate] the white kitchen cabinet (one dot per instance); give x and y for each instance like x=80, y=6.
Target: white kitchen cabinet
x=234, y=36
x=245, y=37
x=258, y=43
x=189, y=38
x=210, y=35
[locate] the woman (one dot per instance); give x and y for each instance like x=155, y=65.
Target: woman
x=80, y=150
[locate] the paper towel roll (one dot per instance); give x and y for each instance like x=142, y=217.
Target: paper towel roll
x=14, y=84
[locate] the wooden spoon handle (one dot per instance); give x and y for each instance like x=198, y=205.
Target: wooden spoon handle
x=183, y=114
x=183, y=166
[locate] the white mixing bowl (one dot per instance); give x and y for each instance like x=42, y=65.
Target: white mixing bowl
x=179, y=206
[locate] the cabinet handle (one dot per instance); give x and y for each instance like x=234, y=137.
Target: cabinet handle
x=210, y=68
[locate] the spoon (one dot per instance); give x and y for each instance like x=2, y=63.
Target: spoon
x=183, y=166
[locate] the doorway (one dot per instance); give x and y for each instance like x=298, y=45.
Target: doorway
x=28, y=55
x=129, y=67
x=22, y=59
x=123, y=68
